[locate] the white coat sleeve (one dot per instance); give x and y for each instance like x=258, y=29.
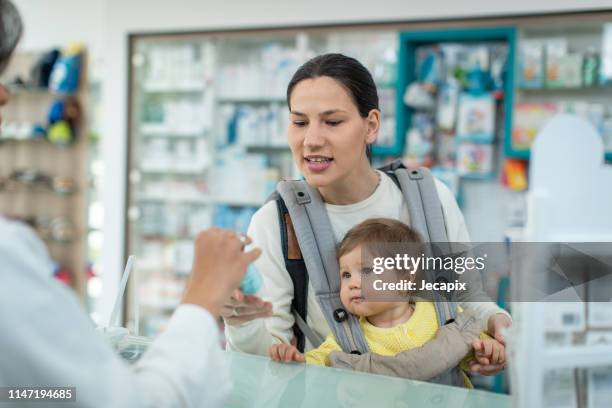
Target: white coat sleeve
x=47, y=340
x=257, y=336
x=457, y=232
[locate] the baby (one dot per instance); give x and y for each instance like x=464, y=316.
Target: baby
x=389, y=327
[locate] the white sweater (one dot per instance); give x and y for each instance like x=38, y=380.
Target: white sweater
x=388, y=202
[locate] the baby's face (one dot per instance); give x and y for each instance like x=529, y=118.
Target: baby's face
x=350, y=287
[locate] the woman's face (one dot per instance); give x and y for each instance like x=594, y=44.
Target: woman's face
x=327, y=135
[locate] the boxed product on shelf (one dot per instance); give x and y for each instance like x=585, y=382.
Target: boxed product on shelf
x=599, y=337
x=570, y=71
x=528, y=120
x=476, y=118
x=606, y=54
x=559, y=389
x=233, y=218
x=199, y=219
x=254, y=124
x=599, y=314
x=531, y=64
x=556, y=50
x=175, y=67
x=448, y=100
x=564, y=69
x=475, y=160
x=182, y=256
x=182, y=117
x=606, y=134
x=599, y=387
x=267, y=74
x=565, y=317
x=240, y=179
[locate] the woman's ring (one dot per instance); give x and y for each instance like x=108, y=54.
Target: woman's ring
x=243, y=240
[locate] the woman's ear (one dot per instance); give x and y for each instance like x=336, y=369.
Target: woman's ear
x=373, y=123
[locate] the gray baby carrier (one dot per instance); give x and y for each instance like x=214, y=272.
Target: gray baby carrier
x=309, y=251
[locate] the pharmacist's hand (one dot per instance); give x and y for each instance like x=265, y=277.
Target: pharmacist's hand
x=241, y=308
x=285, y=353
x=218, y=267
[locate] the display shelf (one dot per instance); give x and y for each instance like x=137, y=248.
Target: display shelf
x=28, y=139
x=447, y=147
x=175, y=168
x=562, y=64
x=268, y=149
x=18, y=90
x=154, y=129
x=577, y=357
x=233, y=202
x=587, y=91
x=178, y=87
x=35, y=189
x=170, y=198
x=50, y=208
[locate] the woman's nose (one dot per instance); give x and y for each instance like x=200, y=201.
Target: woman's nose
x=313, y=137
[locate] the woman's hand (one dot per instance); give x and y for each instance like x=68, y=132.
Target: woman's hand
x=286, y=353
x=241, y=308
x=496, y=324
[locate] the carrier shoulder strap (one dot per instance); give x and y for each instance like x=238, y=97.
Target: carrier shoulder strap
x=315, y=238
x=294, y=262
x=426, y=218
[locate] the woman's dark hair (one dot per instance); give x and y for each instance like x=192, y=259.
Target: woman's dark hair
x=349, y=72
x=10, y=31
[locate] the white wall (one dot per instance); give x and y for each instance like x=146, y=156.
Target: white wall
x=49, y=24
x=104, y=25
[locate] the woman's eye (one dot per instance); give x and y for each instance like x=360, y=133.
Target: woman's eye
x=299, y=123
x=334, y=122
x=346, y=275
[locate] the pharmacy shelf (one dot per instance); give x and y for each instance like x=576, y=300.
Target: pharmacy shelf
x=268, y=149
x=567, y=90
x=34, y=140
x=173, y=169
x=170, y=198
x=578, y=356
x=169, y=87
x=17, y=90
x=233, y=202
x=154, y=130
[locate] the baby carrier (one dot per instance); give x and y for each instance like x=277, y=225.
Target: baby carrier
x=309, y=251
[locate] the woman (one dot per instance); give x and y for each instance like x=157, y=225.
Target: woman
x=334, y=119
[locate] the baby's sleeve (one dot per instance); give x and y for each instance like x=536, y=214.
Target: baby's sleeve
x=320, y=355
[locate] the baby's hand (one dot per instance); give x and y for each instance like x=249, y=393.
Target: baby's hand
x=286, y=353
x=489, y=351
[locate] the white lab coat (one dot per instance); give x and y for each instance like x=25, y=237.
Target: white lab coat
x=47, y=340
